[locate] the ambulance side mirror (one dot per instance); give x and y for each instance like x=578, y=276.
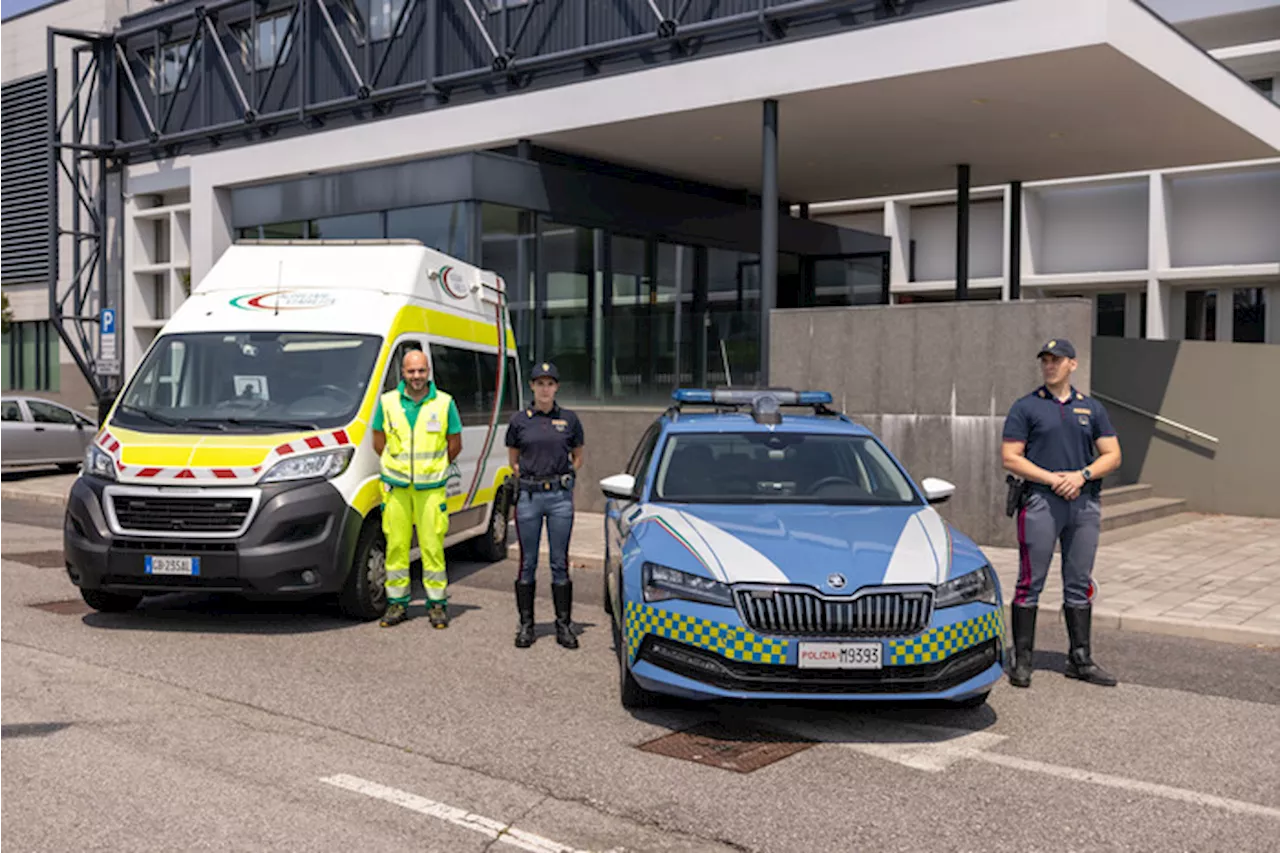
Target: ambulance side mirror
x=937, y=491
x=620, y=486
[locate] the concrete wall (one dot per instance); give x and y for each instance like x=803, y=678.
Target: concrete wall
x=1225, y=390
x=934, y=381
x=611, y=434
x=1224, y=219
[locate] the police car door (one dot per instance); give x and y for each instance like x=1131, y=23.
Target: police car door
x=618, y=513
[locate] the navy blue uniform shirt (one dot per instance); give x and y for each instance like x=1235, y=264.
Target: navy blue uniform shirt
x=1059, y=436
x=544, y=440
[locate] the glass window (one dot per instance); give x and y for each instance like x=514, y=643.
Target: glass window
x=359, y=226
x=1202, y=315
x=507, y=248
x=11, y=411
x=272, y=39
x=676, y=282
x=848, y=281
x=568, y=314
x=1142, y=316
x=733, y=318
x=1109, y=315
x=442, y=227
x=250, y=381
x=471, y=378
x=638, y=465
x=1249, y=315
x=48, y=413
x=285, y=231
x=779, y=467
x=168, y=75
x=394, y=366
x=382, y=17
x=30, y=354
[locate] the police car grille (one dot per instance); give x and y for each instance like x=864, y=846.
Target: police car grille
x=878, y=614
x=181, y=515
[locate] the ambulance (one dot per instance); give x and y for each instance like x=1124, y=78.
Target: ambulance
x=239, y=457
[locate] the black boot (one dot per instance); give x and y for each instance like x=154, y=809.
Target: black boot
x=1079, y=661
x=1024, y=640
x=524, y=604
x=562, y=594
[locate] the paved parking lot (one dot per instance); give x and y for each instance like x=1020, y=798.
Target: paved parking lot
x=204, y=723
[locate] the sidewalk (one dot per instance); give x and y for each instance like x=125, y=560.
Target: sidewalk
x=1214, y=578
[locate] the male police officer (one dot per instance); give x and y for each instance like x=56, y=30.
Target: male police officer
x=418, y=433
x=1062, y=444
x=545, y=447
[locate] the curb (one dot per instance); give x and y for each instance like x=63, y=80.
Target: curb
x=33, y=496
x=1169, y=627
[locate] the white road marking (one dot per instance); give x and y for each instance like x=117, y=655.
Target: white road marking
x=933, y=749
x=486, y=826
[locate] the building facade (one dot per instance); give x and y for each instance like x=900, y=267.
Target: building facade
x=1191, y=253
x=652, y=178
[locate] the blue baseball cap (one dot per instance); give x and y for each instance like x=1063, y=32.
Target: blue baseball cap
x=1058, y=346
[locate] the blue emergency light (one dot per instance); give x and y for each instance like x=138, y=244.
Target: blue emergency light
x=764, y=403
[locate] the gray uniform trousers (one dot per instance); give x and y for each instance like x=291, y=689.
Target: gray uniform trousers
x=1045, y=521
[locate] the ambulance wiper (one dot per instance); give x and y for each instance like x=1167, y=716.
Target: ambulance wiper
x=270, y=422
x=153, y=416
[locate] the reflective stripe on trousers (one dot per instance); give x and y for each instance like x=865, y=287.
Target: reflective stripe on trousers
x=403, y=509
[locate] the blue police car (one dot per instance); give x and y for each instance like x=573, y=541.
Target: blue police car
x=755, y=555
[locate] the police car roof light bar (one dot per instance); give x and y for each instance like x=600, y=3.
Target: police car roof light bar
x=764, y=402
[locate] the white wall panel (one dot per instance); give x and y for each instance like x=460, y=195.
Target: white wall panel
x=1224, y=219
x=934, y=230
x=1093, y=229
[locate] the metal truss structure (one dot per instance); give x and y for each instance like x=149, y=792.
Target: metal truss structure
x=196, y=75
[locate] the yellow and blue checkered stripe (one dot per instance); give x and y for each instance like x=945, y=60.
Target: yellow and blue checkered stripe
x=740, y=644
x=938, y=643
x=727, y=641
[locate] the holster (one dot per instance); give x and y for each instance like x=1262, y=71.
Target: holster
x=1016, y=496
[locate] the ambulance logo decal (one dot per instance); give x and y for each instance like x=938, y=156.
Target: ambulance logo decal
x=452, y=281
x=283, y=300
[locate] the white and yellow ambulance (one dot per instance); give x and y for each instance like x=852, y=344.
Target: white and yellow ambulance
x=239, y=458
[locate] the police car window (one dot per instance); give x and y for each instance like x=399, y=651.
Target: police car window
x=758, y=467
x=639, y=460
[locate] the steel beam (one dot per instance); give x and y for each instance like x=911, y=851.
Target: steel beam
x=962, y=231
x=1015, y=240
x=768, y=229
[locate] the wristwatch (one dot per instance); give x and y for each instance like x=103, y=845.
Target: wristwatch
x=1088, y=475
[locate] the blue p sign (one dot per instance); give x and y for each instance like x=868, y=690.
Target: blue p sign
x=108, y=321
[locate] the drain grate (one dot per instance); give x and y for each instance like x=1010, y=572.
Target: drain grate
x=735, y=748
x=66, y=607
x=38, y=559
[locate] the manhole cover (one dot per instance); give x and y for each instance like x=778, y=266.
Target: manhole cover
x=39, y=559
x=729, y=748
x=69, y=607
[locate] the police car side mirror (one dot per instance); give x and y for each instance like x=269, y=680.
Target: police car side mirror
x=621, y=486
x=937, y=491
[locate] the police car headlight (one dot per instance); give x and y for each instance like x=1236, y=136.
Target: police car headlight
x=662, y=583
x=327, y=465
x=98, y=464
x=979, y=586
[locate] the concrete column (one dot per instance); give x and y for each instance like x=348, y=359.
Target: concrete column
x=1158, y=259
x=1272, y=316
x=897, y=227
x=1159, y=311
x=1226, y=315
x=1133, y=314
x=962, y=231
x=211, y=232
x=768, y=228
x=1012, y=287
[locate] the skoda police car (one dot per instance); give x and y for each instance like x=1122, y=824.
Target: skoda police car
x=752, y=554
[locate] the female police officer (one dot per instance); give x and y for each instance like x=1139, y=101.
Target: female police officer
x=544, y=446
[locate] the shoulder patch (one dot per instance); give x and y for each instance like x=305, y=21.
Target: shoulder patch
x=1041, y=393
x=1079, y=396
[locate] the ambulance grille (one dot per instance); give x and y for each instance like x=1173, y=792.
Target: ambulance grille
x=168, y=514
x=803, y=612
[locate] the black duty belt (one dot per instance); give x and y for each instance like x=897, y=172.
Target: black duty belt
x=546, y=484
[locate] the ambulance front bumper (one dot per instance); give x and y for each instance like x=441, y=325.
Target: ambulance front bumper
x=284, y=539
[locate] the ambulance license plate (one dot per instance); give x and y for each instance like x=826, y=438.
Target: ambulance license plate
x=173, y=565
x=840, y=656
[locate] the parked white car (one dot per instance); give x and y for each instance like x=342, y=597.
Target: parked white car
x=40, y=432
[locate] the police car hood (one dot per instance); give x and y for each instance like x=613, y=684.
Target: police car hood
x=806, y=544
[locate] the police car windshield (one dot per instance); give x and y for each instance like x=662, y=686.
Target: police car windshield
x=779, y=467
x=249, y=382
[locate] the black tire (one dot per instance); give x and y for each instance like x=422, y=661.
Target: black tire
x=68, y=467
x=364, y=595
x=604, y=581
x=630, y=693
x=491, y=546
x=109, y=602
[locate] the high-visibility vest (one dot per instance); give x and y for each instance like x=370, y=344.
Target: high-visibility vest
x=416, y=455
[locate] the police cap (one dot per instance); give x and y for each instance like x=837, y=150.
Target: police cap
x=1058, y=346
x=544, y=368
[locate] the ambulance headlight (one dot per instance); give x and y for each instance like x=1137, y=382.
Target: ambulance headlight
x=661, y=583
x=98, y=464
x=310, y=466
x=979, y=586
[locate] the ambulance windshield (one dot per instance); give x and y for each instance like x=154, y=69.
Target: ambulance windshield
x=249, y=381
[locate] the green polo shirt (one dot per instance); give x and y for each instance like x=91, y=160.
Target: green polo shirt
x=412, y=407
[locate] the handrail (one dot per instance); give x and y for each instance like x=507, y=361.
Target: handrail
x=1158, y=418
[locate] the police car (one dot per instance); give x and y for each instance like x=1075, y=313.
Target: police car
x=752, y=555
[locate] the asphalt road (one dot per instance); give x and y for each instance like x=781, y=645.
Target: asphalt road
x=200, y=723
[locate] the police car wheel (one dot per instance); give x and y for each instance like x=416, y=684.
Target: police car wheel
x=364, y=595
x=631, y=694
